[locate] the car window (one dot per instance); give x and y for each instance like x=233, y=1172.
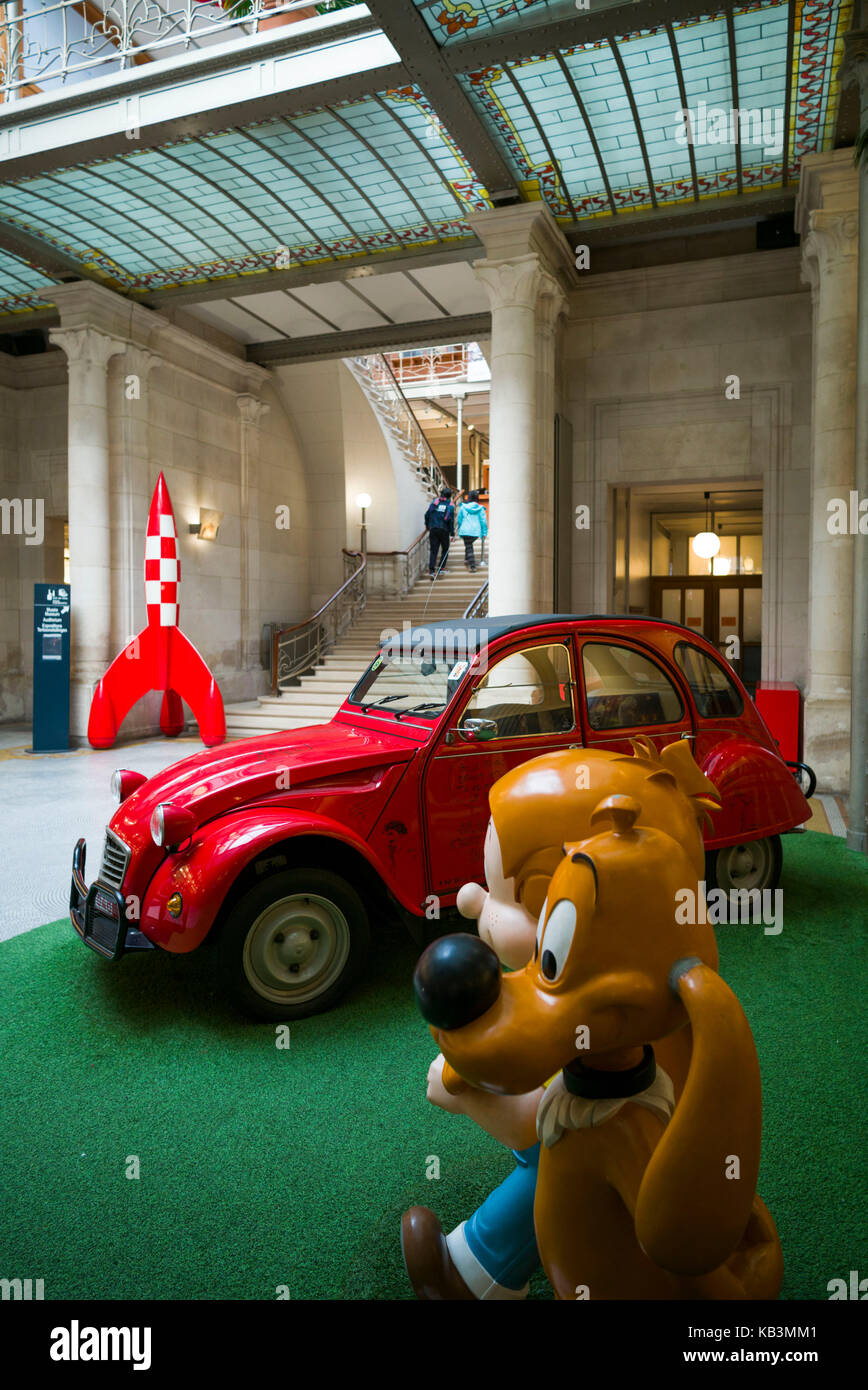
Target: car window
x=624, y=689
x=713, y=689
x=526, y=693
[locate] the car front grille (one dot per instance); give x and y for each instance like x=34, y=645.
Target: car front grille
x=115, y=858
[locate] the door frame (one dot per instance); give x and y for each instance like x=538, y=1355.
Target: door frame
x=711, y=586
x=595, y=738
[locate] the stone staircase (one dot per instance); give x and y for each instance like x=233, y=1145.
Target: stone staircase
x=321, y=693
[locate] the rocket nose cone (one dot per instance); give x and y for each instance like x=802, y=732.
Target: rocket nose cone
x=161, y=505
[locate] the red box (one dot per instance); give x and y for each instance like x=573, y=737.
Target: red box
x=780, y=704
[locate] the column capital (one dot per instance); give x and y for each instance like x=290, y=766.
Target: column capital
x=552, y=304
x=827, y=181
x=526, y=229
x=251, y=408
x=515, y=283
x=831, y=244
x=141, y=361
x=86, y=346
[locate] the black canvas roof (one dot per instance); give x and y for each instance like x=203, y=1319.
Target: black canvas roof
x=482, y=630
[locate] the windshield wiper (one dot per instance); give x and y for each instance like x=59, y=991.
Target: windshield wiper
x=417, y=709
x=377, y=704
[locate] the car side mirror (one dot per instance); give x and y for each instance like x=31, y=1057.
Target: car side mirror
x=476, y=730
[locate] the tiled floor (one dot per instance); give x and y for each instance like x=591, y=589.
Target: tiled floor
x=830, y=815
x=46, y=802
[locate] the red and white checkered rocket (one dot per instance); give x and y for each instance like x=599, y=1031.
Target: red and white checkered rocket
x=160, y=657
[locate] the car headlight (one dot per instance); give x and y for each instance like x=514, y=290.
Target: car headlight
x=124, y=783
x=171, y=825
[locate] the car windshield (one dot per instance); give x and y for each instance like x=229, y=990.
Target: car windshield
x=409, y=682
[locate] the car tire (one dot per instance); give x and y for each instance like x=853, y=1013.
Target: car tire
x=292, y=945
x=753, y=864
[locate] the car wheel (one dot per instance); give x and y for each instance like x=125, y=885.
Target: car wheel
x=292, y=944
x=754, y=864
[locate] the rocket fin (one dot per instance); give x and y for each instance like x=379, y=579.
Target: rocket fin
x=130, y=676
x=189, y=677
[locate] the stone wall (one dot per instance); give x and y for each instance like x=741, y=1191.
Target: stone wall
x=178, y=405
x=646, y=355
x=32, y=468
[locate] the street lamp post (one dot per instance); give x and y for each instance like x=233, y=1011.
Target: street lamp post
x=459, y=402
x=363, y=500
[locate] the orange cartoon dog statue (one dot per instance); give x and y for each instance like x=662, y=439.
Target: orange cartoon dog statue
x=650, y=1129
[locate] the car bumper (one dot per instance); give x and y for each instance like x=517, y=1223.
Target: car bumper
x=99, y=915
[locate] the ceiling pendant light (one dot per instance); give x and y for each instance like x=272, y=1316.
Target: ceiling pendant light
x=706, y=544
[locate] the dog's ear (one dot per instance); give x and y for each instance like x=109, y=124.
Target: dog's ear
x=698, y=1189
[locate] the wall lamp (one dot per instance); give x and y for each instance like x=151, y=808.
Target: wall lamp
x=207, y=526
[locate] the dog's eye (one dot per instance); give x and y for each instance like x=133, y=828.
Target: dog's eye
x=539, y=928
x=558, y=938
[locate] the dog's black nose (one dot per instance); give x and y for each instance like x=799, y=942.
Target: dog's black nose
x=457, y=980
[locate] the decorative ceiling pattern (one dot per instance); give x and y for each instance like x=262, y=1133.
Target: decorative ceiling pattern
x=19, y=282
x=453, y=20
x=597, y=128
x=380, y=174
x=594, y=129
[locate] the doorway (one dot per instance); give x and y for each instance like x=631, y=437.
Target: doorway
x=695, y=557
x=726, y=610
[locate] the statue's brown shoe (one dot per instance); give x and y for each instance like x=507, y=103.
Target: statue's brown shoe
x=427, y=1258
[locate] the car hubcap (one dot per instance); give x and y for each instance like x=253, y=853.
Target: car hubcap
x=745, y=866
x=296, y=948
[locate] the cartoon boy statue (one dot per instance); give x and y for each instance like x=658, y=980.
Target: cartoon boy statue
x=535, y=808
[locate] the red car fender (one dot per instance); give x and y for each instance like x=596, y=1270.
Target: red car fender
x=204, y=872
x=760, y=795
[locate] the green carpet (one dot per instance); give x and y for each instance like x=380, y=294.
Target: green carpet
x=262, y=1167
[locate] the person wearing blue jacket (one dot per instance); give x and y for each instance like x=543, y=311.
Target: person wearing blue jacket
x=472, y=524
x=440, y=525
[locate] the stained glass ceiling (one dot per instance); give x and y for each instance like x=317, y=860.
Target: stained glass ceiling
x=450, y=21
x=594, y=129
x=19, y=283
x=332, y=184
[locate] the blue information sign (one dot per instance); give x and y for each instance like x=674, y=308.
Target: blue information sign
x=50, y=668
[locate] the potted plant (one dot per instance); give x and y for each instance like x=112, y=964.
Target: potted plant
x=245, y=9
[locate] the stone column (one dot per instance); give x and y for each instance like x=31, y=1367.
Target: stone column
x=513, y=289
x=552, y=304
x=854, y=70
x=88, y=352
x=830, y=265
x=133, y=488
x=527, y=267
x=252, y=411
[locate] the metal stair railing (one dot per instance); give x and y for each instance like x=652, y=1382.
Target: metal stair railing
x=478, y=606
x=380, y=385
x=378, y=574
x=299, y=648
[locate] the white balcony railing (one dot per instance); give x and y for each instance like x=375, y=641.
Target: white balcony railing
x=47, y=44
x=430, y=365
